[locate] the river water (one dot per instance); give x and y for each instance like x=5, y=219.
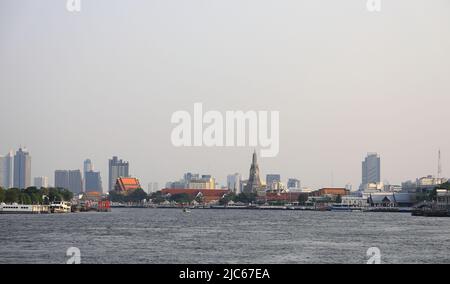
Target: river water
x=223, y=236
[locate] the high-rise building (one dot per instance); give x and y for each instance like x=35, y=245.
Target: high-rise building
x=88, y=166
x=70, y=180
x=6, y=170
x=254, y=181
x=203, y=182
x=293, y=183
x=22, y=169
x=117, y=168
x=272, y=178
x=41, y=182
x=371, y=169
x=93, y=182
x=75, y=181
x=234, y=183
x=153, y=187
x=62, y=179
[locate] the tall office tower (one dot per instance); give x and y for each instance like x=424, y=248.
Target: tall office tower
x=6, y=170
x=22, y=169
x=371, y=169
x=70, y=180
x=93, y=182
x=88, y=166
x=152, y=187
x=271, y=178
x=117, y=168
x=62, y=179
x=254, y=181
x=41, y=182
x=293, y=183
x=75, y=181
x=234, y=183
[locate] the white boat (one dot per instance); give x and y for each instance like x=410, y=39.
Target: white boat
x=22, y=209
x=60, y=207
x=342, y=207
x=185, y=210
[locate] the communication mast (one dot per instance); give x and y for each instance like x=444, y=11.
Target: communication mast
x=439, y=165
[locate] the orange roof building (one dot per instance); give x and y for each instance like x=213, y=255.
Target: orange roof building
x=125, y=184
x=209, y=195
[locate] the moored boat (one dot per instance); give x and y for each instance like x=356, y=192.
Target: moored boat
x=60, y=207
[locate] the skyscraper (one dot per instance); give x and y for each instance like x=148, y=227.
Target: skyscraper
x=117, y=168
x=41, y=182
x=62, y=179
x=75, y=181
x=6, y=170
x=93, y=182
x=271, y=178
x=234, y=183
x=70, y=180
x=22, y=169
x=293, y=183
x=254, y=181
x=88, y=166
x=371, y=169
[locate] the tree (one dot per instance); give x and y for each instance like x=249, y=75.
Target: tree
x=2, y=195
x=12, y=195
x=246, y=197
x=226, y=199
x=302, y=198
x=157, y=197
x=137, y=195
x=181, y=198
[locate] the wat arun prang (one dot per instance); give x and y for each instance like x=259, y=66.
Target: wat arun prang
x=254, y=182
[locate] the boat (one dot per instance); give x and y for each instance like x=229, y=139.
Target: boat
x=22, y=209
x=341, y=208
x=60, y=207
x=186, y=210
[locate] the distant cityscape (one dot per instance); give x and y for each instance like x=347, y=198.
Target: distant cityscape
x=15, y=172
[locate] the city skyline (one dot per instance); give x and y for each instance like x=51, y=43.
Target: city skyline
x=343, y=86
x=371, y=173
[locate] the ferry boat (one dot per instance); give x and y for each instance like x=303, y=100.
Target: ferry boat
x=22, y=209
x=345, y=208
x=60, y=207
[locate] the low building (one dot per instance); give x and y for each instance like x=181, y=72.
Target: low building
x=443, y=198
x=289, y=197
x=126, y=184
x=355, y=201
x=330, y=191
x=208, y=195
x=390, y=199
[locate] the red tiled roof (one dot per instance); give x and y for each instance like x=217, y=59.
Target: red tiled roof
x=124, y=184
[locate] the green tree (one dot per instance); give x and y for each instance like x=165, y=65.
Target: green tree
x=2, y=195
x=12, y=195
x=246, y=197
x=181, y=198
x=157, y=197
x=302, y=198
x=137, y=195
x=226, y=199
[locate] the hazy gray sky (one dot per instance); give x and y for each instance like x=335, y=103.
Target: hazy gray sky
x=346, y=81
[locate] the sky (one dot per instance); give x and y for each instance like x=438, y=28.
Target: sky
x=105, y=81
